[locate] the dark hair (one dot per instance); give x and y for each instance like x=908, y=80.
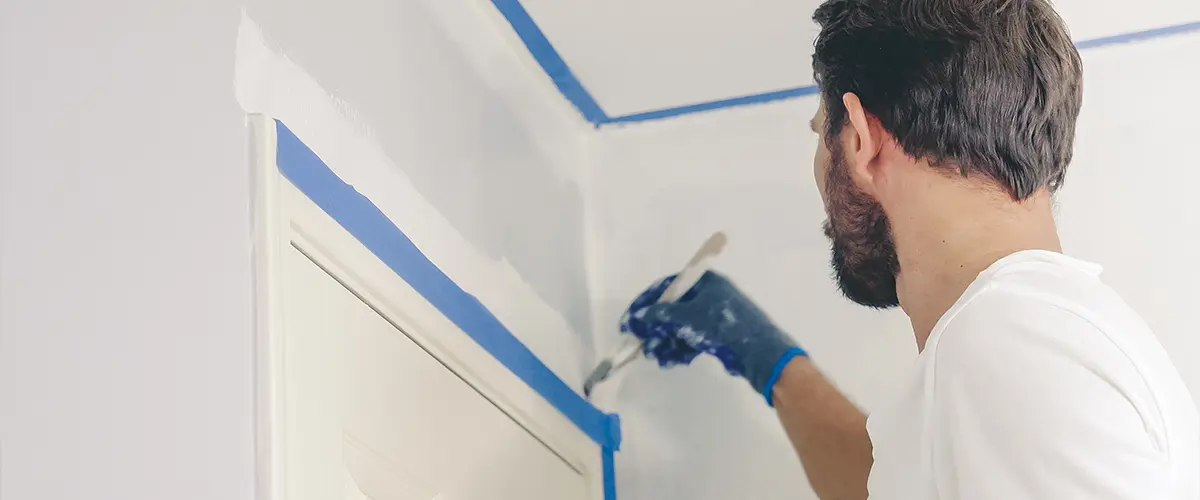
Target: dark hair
x=986, y=86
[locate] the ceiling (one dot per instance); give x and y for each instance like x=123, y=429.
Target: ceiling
x=635, y=56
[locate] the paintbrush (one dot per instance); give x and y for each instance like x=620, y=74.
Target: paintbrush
x=631, y=346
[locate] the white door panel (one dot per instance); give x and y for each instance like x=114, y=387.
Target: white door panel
x=369, y=414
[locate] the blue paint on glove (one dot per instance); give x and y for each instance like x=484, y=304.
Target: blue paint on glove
x=713, y=317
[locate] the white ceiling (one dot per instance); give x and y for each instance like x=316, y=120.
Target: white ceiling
x=644, y=55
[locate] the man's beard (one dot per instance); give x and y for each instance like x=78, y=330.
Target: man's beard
x=863, y=250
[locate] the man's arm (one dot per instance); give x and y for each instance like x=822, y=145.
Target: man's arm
x=827, y=430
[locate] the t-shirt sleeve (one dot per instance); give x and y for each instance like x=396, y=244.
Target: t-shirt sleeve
x=1031, y=401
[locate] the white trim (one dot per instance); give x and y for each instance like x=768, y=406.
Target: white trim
x=267, y=256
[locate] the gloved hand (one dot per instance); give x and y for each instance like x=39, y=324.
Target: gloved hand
x=715, y=318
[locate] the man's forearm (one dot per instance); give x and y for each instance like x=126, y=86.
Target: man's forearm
x=827, y=430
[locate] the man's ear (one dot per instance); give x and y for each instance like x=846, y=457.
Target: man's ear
x=863, y=142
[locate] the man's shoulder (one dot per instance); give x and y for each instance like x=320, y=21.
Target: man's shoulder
x=1058, y=345
x=1008, y=311
x=1047, y=306
x=1025, y=328
x=1057, y=358
x=1051, y=376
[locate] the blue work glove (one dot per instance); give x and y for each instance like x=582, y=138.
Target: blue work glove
x=715, y=318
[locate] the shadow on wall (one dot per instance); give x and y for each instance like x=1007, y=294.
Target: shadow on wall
x=460, y=142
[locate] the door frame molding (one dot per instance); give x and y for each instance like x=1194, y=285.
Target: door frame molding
x=283, y=216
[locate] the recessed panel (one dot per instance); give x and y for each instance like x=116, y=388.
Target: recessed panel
x=370, y=414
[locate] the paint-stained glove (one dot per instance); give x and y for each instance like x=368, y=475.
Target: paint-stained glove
x=715, y=318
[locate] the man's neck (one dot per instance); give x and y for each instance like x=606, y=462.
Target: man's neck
x=943, y=247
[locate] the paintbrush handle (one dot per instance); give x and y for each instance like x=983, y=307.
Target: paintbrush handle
x=692, y=272
x=695, y=267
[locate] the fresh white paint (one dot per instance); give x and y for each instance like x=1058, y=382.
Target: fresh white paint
x=697, y=433
x=635, y=56
x=466, y=155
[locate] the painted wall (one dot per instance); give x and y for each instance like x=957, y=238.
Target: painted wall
x=126, y=342
x=696, y=433
x=458, y=131
x=125, y=279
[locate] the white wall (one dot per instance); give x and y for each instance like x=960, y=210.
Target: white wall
x=125, y=279
x=696, y=433
x=126, y=342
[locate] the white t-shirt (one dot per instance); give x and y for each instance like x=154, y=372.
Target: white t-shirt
x=1039, y=383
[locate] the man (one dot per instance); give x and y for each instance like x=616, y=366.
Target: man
x=945, y=128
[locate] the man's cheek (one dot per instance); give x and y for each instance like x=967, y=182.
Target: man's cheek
x=821, y=170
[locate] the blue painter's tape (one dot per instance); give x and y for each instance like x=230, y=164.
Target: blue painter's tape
x=1138, y=36
x=724, y=103
x=610, y=474
x=543, y=52
x=376, y=232
x=812, y=89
